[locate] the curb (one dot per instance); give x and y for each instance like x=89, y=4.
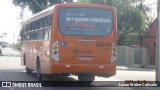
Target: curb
x=136, y=69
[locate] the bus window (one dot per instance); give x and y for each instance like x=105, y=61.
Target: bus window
x=85, y=21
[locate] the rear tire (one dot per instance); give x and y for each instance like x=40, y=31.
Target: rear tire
x=86, y=77
x=28, y=71
x=39, y=75
x=24, y=60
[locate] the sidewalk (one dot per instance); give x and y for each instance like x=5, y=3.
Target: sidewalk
x=133, y=69
x=139, y=69
x=9, y=52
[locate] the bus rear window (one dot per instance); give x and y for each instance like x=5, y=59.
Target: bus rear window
x=85, y=21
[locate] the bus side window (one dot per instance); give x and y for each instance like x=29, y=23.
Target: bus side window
x=40, y=23
x=33, y=25
x=45, y=34
x=29, y=27
x=45, y=21
x=50, y=21
x=40, y=34
x=36, y=35
x=27, y=36
x=46, y=27
x=31, y=35
x=36, y=24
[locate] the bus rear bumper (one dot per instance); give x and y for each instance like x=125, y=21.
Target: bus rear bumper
x=101, y=70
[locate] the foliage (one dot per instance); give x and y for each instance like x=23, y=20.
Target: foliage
x=132, y=19
x=93, y=1
x=36, y=7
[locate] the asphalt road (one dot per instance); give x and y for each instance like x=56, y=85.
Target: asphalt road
x=12, y=70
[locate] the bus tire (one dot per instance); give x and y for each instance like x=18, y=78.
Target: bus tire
x=24, y=59
x=28, y=71
x=39, y=75
x=86, y=77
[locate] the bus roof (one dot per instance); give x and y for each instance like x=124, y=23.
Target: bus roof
x=43, y=13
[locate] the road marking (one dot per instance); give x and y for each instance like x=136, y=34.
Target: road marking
x=11, y=88
x=3, y=78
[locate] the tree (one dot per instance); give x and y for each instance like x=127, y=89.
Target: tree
x=94, y=1
x=37, y=5
x=132, y=20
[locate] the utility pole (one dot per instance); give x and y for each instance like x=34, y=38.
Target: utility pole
x=158, y=44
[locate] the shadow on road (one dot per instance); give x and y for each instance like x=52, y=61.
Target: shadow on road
x=14, y=75
x=20, y=75
x=56, y=80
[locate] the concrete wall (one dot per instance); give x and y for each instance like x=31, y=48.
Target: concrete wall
x=131, y=57
x=141, y=56
x=125, y=56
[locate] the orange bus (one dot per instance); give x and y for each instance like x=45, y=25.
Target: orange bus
x=71, y=39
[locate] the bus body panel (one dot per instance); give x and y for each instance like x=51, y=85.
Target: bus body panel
x=80, y=50
x=34, y=50
x=97, y=69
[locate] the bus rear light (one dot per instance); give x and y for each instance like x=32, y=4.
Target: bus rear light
x=114, y=49
x=55, y=47
x=101, y=66
x=55, y=55
x=114, y=52
x=55, y=52
x=48, y=53
x=68, y=66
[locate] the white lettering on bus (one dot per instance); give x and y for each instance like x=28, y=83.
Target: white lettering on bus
x=96, y=20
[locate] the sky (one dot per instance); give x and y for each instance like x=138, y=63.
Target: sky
x=10, y=22
x=152, y=4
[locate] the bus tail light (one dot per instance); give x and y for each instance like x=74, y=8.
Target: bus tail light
x=114, y=52
x=55, y=54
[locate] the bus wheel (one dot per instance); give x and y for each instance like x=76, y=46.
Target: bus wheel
x=24, y=59
x=86, y=77
x=39, y=75
x=28, y=71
